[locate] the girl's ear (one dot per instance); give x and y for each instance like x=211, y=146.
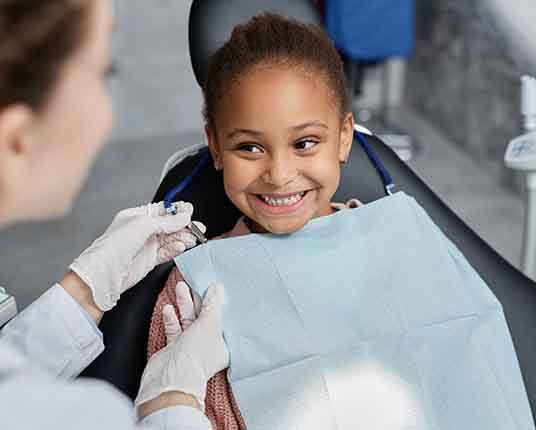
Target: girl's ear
x=346, y=137
x=213, y=147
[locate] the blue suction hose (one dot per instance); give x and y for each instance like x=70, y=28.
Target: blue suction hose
x=175, y=191
x=388, y=183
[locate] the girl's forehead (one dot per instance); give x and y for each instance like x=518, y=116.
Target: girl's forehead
x=267, y=75
x=272, y=91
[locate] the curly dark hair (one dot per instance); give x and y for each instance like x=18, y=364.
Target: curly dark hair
x=36, y=39
x=271, y=39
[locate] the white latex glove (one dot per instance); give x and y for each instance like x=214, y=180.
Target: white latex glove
x=196, y=350
x=137, y=240
x=188, y=309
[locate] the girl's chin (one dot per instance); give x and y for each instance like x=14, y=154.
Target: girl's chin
x=277, y=226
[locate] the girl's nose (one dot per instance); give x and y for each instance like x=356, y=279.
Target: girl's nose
x=280, y=171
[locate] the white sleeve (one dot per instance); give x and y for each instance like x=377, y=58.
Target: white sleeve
x=176, y=418
x=33, y=400
x=38, y=401
x=53, y=335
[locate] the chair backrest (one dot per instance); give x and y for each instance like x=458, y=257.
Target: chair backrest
x=125, y=327
x=212, y=21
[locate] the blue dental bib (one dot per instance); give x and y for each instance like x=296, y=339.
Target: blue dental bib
x=369, y=318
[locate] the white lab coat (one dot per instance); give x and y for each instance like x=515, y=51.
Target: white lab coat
x=42, y=350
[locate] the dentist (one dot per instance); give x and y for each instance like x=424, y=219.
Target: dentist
x=55, y=116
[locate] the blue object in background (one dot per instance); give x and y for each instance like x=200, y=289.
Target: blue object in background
x=371, y=29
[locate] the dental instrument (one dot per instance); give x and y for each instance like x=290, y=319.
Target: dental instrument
x=171, y=206
x=197, y=233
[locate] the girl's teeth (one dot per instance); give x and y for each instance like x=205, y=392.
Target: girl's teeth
x=287, y=201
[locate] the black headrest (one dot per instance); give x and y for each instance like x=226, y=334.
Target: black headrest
x=212, y=21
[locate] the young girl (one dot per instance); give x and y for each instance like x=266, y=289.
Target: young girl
x=279, y=127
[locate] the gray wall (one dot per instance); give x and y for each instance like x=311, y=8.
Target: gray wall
x=464, y=77
x=155, y=91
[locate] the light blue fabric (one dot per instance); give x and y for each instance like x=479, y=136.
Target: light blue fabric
x=368, y=318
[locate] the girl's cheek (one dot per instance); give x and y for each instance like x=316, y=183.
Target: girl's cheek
x=240, y=174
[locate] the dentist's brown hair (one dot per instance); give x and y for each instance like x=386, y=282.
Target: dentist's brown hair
x=36, y=39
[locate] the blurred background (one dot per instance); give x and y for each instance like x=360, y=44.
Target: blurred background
x=438, y=80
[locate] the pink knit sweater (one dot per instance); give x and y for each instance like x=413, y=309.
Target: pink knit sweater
x=220, y=405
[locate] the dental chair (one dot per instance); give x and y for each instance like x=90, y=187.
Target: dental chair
x=125, y=328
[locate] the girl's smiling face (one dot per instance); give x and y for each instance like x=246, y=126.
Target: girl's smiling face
x=279, y=137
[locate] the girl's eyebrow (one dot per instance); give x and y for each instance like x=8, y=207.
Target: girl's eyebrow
x=294, y=128
x=309, y=124
x=243, y=131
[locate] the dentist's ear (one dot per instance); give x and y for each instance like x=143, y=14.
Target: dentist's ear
x=17, y=146
x=346, y=137
x=15, y=127
x=213, y=147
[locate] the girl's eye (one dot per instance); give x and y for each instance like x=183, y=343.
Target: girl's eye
x=250, y=147
x=304, y=145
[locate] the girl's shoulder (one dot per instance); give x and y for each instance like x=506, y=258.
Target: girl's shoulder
x=240, y=229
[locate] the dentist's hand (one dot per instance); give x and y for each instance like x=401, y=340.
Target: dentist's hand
x=137, y=240
x=196, y=351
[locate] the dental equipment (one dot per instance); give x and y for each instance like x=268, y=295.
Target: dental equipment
x=172, y=210
x=521, y=156
x=8, y=307
x=197, y=233
x=171, y=207
x=386, y=178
